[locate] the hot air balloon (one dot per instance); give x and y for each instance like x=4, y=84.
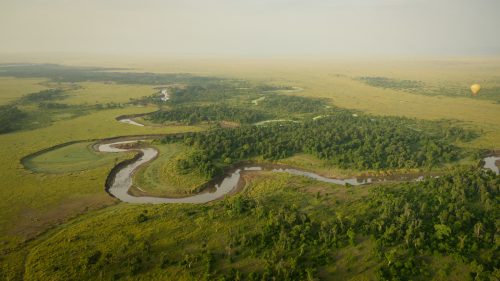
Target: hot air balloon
x=475, y=89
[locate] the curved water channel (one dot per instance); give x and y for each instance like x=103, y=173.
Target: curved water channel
x=130, y=121
x=122, y=180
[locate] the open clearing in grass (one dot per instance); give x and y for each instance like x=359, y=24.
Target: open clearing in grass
x=161, y=176
x=71, y=158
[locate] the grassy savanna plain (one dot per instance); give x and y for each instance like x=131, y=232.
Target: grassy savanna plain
x=51, y=221
x=71, y=158
x=338, y=80
x=101, y=93
x=161, y=177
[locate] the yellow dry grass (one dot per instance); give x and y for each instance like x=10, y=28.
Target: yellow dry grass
x=93, y=93
x=13, y=88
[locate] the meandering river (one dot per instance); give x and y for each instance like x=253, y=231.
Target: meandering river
x=122, y=181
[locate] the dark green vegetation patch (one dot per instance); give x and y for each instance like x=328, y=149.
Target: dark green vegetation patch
x=385, y=82
x=293, y=104
x=215, y=112
x=347, y=140
x=455, y=214
x=43, y=96
x=11, y=118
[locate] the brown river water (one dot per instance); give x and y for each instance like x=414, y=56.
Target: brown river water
x=122, y=181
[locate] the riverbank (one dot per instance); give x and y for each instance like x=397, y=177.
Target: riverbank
x=230, y=181
x=218, y=188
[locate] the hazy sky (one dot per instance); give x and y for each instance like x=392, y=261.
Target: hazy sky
x=252, y=27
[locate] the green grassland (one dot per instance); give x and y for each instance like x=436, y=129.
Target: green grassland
x=60, y=102
x=490, y=88
x=64, y=226
x=14, y=88
x=71, y=158
x=162, y=178
x=102, y=93
x=34, y=202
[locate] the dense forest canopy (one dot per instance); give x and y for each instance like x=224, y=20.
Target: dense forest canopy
x=455, y=214
x=10, y=118
x=215, y=112
x=293, y=104
x=225, y=101
x=452, y=215
x=211, y=92
x=224, y=90
x=359, y=142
